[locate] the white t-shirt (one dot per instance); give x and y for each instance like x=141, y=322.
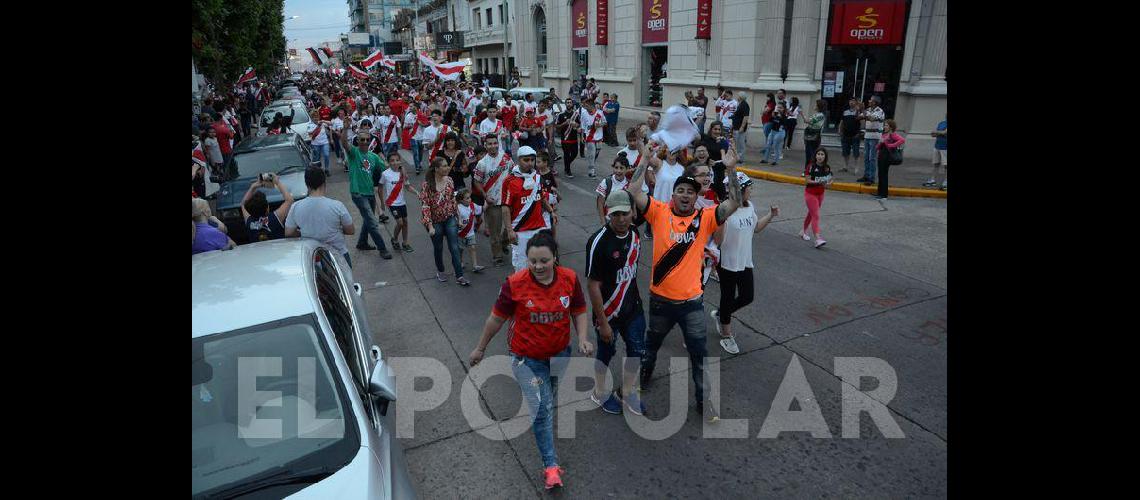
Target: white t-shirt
x=466, y=224
x=588, y=121
x=489, y=126
x=632, y=155
x=410, y=124
x=380, y=126
x=214, y=150
x=390, y=178
x=337, y=124
x=616, y=184
x=321, y=138
x=794, y=114
x=495, y=169
x=666, y=176
x=429, y=134
x=736, y=249
x=472, y=104
x=727, y=109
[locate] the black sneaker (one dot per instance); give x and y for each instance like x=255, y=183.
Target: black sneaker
x=386, y=255
x=366, y=246
x=569, y=175
x=646, y=379
x=395, y=244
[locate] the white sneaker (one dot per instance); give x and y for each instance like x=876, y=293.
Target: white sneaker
x=819, y=243
x=729, y=345
x=804, y=235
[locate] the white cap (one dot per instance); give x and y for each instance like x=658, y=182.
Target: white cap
x=527, y=151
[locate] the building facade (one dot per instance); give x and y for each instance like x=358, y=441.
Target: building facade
x=487, y=34
x=652, y=51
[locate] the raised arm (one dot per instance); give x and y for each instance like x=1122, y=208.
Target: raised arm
x=727, y=207
x=283, y=210
x=640, y=198
x=773, y=211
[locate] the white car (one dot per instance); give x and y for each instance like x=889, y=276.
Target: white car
x=289, y=396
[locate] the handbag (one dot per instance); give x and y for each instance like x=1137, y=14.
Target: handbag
x=895, y=156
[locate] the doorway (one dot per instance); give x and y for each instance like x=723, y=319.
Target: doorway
x=581, y=64
x=654, y=67
x=853, y=71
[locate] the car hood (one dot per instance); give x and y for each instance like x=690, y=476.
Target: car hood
x=231, y=193
x=361, y=478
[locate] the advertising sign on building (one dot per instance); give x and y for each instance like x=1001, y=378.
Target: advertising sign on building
x=856, y=22
x=704, y=19
x=603, y=12
x=358, y=39
x=579, y=33
x=449, y=40
x=655, y=21
x=391, y=48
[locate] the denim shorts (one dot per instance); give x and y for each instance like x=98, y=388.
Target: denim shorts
x=632, y=334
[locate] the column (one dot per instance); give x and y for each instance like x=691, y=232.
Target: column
x=770, y=44
x=933, y=77
x=801, y=54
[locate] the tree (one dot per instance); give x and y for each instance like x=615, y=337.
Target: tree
x=228, y=36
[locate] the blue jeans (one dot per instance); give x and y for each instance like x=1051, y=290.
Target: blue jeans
x=450, y=229
x=417, y=154
x=336, y=147
x=767, y=131
x=691, y=317
x=870, y=156
x=321, y=154
x=367, y=206
x=389, y=149
x=775, y=146
x=633, y=334
x=537, y=378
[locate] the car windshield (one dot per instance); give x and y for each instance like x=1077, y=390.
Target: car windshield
x=264, y=399
x=266, y=160
x=300, y=117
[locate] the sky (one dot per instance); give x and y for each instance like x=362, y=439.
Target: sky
x=319, y=21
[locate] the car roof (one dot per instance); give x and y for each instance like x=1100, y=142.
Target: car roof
x=531, y=89
x=250, y=285
x=264, y=142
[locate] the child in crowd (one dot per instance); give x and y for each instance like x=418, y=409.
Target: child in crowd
x=550, y=187
x=470, y=217
x=390, y=184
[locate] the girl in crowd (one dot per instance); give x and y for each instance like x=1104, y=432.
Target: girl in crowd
x=437, y=197
x=817, y=176
x=539, y=301
x=452, y=153
x=793, y=119
x=716, y=142
x=707, y=198
x=774, y=148
x=890, y=142
x=736, y=266
x=470, y=218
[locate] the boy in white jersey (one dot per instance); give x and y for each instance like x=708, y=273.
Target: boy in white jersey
x=470, y=218
x=394, y=181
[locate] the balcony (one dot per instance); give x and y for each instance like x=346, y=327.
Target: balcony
x=485, y=36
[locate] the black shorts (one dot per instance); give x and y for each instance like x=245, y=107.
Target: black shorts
x=400, y=212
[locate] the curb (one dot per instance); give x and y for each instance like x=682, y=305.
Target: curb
x=844, y=186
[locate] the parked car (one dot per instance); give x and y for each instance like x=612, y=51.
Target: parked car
x=301, y=119
x=519, y=94
x=290, y=395
x=283, y=154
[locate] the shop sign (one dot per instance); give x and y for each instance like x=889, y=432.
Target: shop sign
x=602, y=10
x=704, y=19
x=867, y=23
x=580, y=34
x=655, y=21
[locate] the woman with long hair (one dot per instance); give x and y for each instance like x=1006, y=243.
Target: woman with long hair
x=890, y=142
x=456, y=158
x=716, y=142
x=791, y=122
x=439, y=210
x=766, y=119
x=817, y=175
x=775, y=145
x=539, y=301
x=813, y=130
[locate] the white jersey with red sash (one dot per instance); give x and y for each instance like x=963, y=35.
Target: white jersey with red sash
x=430, y=136
x=492, y=172
x=389, y=124
x=523, y=193
x=471, y=104
x=467, y=215
x=394, y=186
x=592, y=125
x=416, y=122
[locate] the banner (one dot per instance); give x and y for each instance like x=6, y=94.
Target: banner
x=868, y=23
x=704, y=19
x=372, y=59
x=579, y=33
x=603, y=13
x=655, y=21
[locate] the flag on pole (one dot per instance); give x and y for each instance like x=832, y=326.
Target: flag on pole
x=248, y=76
x=328, y=52
x=388, y=63
x=445, y=71
x=357, y=72
x=319, y=56
x=373, y=59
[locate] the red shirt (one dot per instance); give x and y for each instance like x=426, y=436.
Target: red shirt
x=525, y=204
x=508, y=117
x=224, y=136
x=398, y=107
x=540, y=314
x=325, y=113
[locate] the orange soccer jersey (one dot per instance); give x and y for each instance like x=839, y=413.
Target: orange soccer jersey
x=678, y=249
x=540, y=314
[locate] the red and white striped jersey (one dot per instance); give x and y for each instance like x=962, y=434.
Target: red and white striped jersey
x=523, y=193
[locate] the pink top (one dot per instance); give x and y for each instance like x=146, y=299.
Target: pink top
x=891, y=140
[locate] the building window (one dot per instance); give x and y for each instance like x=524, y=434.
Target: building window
x=506, y=12
x=475, y=17
x=502, y=15
x=495, y=65
x=489, y=18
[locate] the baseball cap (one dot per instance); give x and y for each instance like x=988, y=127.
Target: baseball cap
x=527, y=151
x=745, y=181
x=618, y=200
x=687, y=179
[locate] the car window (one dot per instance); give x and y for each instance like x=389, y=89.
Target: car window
x=281, y=374
x=301, y=115
x=338, y=310
x=265, y=160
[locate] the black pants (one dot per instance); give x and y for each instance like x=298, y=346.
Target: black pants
x=736, y=291
x=884, y=171
x=791, y=131
x=569, y=153
x=809, y=150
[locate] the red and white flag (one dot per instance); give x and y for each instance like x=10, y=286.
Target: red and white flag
x=328, y=52
x=319, y=56
x=445, y=71
x=372, y=59
x=248, y=76
x=388, y=63
x=357, y=72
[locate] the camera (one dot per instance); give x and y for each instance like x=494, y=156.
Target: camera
x=267, y=177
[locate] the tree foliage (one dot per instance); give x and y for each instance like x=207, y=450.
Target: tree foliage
x=228, y=36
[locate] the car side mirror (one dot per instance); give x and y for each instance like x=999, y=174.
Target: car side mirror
x=358, y=289
x=381, y=384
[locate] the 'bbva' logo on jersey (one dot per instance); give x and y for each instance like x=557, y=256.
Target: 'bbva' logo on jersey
x=626, y=273
x=685, y=237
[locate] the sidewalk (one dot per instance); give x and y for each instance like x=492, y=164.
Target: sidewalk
x=911, y=174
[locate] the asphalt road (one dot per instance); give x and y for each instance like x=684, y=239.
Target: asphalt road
x=877, y=289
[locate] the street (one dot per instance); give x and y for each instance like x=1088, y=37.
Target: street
x=876, y=290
